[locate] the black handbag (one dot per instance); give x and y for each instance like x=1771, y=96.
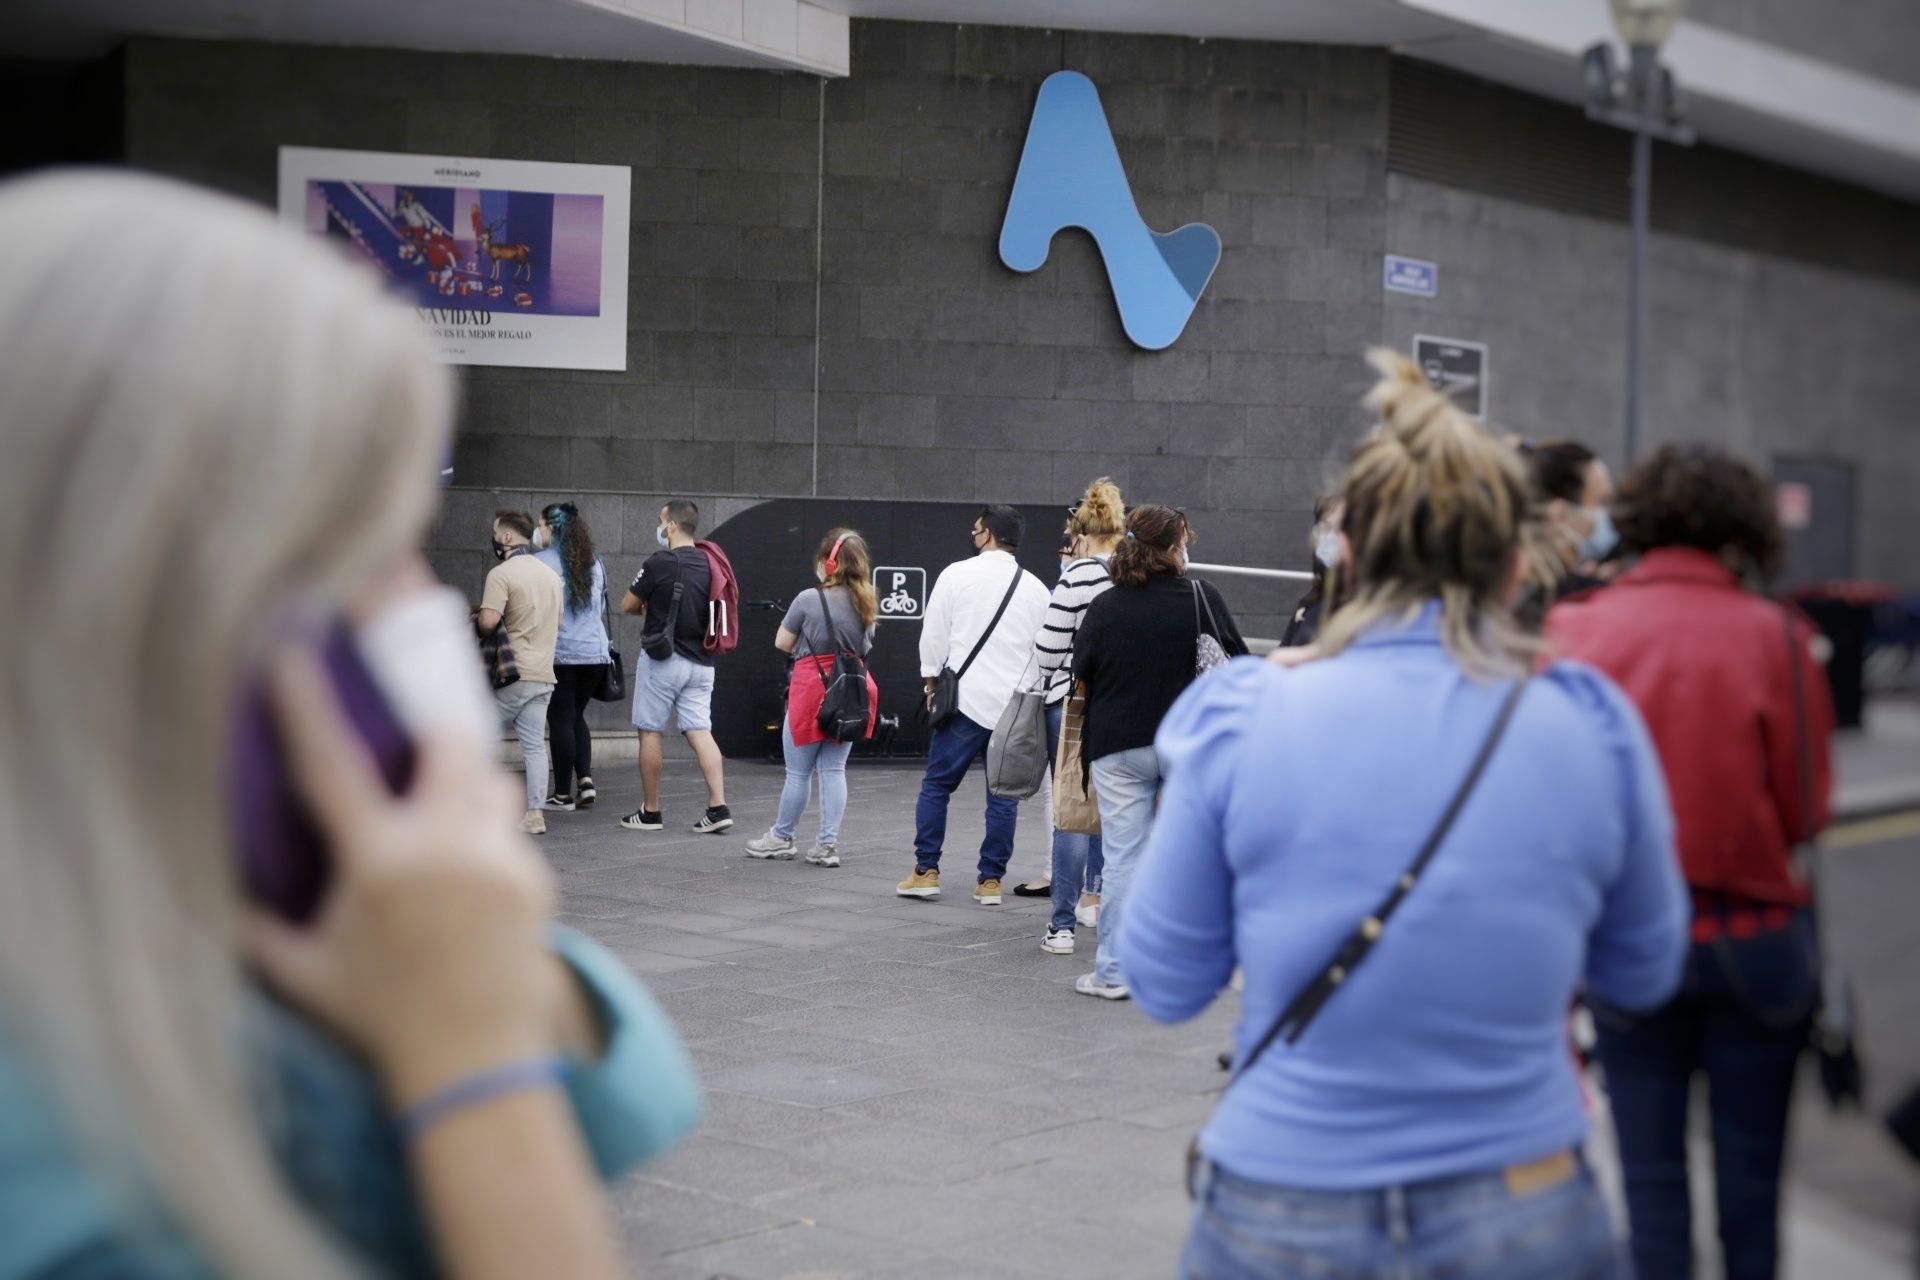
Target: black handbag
x=1307, y=1003
x=945, y=702
x=1830, y=1035
x=612, y=684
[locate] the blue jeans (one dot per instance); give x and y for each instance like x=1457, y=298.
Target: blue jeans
x=1470, y=1226
x=829, y=759
x=951, y=751
x=1741, y=1018
x=1077, y=858
x=1126, y=784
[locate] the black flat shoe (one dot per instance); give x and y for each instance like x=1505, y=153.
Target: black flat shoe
x=1034, y=889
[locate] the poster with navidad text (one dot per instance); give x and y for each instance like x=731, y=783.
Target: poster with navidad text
x=507, y=262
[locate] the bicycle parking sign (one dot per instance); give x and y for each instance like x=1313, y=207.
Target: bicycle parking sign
x=902, y=592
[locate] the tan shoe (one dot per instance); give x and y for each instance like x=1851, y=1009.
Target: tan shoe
x=921, y=884
x=535, y=823
x=987, y=893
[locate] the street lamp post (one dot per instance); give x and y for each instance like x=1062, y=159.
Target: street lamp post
x=1646, y=101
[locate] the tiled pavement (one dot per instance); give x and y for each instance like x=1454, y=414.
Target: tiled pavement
x=895, y=1088
x=912, y=1089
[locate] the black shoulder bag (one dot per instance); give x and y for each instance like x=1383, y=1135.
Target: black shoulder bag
x=844, y=710
x=658, y=645
x=612, y=684
x=1306, y=1004
x=945, y=704
x=1842, y=1078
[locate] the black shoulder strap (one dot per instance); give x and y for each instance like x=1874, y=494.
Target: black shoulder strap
x=1200, y=602
x=981, y=643
x=826, y=619
x=1300, y=1011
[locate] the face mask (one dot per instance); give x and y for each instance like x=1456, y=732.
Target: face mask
x=1599, y=544
x=499, y=549
x=973, y=541
x=542, y=538
x=1326, y=548
x=819, y=573
x=660, y=536
x=420, y=652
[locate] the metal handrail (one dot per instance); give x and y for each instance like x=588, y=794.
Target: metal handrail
x=1288, y=575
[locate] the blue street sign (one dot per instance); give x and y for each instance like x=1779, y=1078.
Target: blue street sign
x=1411, y=275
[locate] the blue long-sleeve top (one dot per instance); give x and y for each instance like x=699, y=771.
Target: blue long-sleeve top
x=1295, y=798
x=335, y=1140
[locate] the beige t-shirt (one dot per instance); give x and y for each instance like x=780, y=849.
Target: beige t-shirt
x=528, y=596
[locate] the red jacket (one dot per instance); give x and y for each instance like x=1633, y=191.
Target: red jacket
x=1706, y=662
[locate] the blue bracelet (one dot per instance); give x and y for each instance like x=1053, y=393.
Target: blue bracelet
x=481, y=1087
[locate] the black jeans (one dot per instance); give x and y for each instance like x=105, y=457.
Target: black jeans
x=1741, y=1017
x=573, y=688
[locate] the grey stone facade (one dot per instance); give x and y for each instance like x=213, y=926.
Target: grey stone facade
x=847, y=328
x=1763, y=355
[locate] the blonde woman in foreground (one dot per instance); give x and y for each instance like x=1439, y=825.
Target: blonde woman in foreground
x=222, y=442
x=1403, y=1103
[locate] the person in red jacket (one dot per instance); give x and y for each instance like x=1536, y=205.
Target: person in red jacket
x=1740, y=713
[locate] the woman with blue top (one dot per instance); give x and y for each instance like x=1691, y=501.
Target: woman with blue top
x=580, y=655
x=1413, y=900
x=280, y=995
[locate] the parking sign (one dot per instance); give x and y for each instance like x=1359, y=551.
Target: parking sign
x=902, y=592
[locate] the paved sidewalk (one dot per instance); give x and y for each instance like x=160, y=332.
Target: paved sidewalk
x=912, y=1089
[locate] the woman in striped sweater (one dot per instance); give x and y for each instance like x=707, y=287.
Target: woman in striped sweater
x=1094, y=527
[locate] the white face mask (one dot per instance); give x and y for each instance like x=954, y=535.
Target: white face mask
x=420, y=651
x=542, y=538
x=819, y=573
x=660, y=535
x=1326, y=548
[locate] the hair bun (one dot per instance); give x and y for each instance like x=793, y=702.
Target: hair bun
x=1403, y=397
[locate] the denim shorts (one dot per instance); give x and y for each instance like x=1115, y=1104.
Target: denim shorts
x=678, y=686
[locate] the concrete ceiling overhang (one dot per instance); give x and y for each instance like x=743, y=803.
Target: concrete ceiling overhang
x=791, y=35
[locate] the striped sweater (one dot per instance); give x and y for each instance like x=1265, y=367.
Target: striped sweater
x=1080, y=582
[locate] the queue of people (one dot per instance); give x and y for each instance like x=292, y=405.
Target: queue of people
x=296, y=878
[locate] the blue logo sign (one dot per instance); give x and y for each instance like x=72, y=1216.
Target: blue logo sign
x=1411, y=275
x=1070, y=176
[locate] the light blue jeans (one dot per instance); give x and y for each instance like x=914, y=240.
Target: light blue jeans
x=829, y=760
x=523, y=709
x=1449, y=1227
x=1125, y=784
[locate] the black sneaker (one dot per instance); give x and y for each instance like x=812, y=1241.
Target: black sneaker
x=644, y=820
x=587, y=795
x=560, y=802
x=716, y=819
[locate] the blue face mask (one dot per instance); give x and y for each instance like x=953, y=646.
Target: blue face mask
x=1599, y=543
x=660, y=535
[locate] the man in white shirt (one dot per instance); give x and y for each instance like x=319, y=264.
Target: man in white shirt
x=960, y=632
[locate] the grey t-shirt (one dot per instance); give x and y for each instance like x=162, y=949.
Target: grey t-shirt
x=804, y=620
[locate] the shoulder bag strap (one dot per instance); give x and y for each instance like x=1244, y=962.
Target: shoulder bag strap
x=1300, y=1011
x=981, y=643
x=826, y=617
x=1200, y=602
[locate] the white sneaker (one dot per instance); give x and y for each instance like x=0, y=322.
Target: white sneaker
x=535, y=823
x=770, y=845
x=1058, y=942
x=824, y=855
x=1089, y=985
x=1088, y=915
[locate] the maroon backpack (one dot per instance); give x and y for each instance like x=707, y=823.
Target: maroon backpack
x=723, y=601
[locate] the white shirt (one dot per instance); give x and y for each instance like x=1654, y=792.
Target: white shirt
x=964, y=599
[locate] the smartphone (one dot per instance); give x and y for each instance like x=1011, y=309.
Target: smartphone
x=284, y=862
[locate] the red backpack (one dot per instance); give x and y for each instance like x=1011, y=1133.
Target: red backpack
x=723, y=601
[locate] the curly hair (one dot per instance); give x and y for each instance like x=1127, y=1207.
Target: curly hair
x=575, y=540
x=1151, y=548
x=1701, y=496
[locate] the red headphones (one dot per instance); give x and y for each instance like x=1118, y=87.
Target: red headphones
x=833, y=556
